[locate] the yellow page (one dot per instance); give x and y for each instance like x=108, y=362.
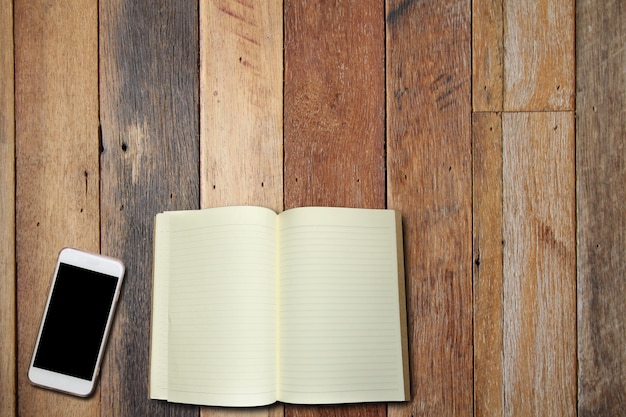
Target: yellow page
x=222, y=306
x=340, y=315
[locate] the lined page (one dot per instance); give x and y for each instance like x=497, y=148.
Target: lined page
x=222, y=307
x=339, y=326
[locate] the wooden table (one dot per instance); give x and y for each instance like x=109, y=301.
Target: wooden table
x=497, y=127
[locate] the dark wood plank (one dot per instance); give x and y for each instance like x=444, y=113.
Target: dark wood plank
x=57, y=179
x=429, y=179
x=487, y=274
x=149, y=157
x=539, y=265
x=334, y=118
x=601, y=174
x=8, y=304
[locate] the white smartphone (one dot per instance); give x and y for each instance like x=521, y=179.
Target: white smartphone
x=76, y=322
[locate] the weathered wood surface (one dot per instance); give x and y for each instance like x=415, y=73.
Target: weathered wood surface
x=601, y=174
x=539, y=264
x=241, y=113
x=523, y=324
x=57, y=170
x=429, y=179
x=539, y=67
x=446, y=110
x=487, y=55
x=149, y=103
x=8, y=309
x=334, y=104
x=487, y=272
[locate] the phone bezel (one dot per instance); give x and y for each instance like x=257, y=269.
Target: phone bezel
x=62, y=382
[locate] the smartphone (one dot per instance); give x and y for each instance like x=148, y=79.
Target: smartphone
x=76, y=322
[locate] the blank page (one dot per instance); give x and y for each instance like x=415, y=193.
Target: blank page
x=340, y=326
x=222, y=307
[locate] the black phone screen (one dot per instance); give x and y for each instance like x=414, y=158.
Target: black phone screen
x=75, y=322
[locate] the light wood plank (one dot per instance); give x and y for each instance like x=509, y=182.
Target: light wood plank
x=241, y=115
x=57, y=178
x=429, y=180
x=149, y=89
x=601, y=174
x=8, y=312
x=487, y=274
x=487, y=55
x=241, y=103
x=539, y=55
x=334, y=118
x=539, y=264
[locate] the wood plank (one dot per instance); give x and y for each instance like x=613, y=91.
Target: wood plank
x=8, y=304
x=57, y=179
x=241, y=115
x=539, y=269
x=539, y=55
x=334, y=118
x=241, y=64
x=487, y=55
x=429, y=179
x=487, y=274
x=601, y=174
x=149, y=89
x=334, y=104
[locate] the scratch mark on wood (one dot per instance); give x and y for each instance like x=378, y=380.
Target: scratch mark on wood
x=444, y=90
x=232, y=13
x=398, y=96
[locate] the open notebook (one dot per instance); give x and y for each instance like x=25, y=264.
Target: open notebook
x=250, y=307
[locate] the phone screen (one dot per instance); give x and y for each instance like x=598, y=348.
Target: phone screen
x=75, y=322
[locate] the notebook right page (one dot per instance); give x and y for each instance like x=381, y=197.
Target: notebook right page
x=342, y=319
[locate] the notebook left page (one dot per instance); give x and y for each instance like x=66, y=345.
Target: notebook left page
x=214, y=309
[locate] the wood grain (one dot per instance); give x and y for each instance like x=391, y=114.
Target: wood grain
x=539, y=55
x=539, y=269
x=149, y=88
x=334, y=104
x=487, y=55
x=241, y=116
x=57, y=201
x=601, y=174
x=8, y=304
x=334, y=118
x=487, y=272
x=241, y=103
x=430, y=181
